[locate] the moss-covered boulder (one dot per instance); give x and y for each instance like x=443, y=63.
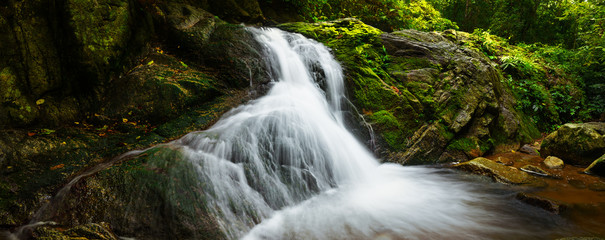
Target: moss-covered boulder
x=430, y=98
x=156, y=195
x=576, y=144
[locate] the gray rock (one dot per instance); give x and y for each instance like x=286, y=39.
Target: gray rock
x=528, y=149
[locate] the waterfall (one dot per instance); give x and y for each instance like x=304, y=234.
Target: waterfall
x=285, y=167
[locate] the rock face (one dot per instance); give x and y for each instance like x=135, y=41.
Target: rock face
x=58, y=57
x=498, y=172
x=554, y=162
x=430, y=98
x=104, y=77
x=577, y=144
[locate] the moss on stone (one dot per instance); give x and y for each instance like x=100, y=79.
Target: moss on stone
x=101, y=27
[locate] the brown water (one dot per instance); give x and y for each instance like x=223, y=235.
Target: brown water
x=581, y=195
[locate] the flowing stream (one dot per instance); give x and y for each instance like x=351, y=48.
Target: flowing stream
x=285, y=167
x=287, y=161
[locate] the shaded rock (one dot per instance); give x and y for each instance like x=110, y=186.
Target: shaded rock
x=209, y=41
x=55, y=156
x=577, y=144
x=95, y=231
x=57, y=59
x=553, y=162
x=528, y=149
x=535, y=171
x=541, y=202
x=498, y=172
x=161, y=89
x=156, y=195
x=597, y=167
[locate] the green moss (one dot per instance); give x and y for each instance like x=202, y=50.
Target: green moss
x=390, y=128
x=102, y=27
x=410, y=63
x=463, y=144
x=20, y=109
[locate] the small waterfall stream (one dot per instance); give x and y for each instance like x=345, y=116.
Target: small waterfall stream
x=287, y=161
x=284, y=166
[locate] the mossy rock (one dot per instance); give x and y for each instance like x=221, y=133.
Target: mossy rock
x=423, y=93
x=597, y=167
x=498, y=172
x=160, y=89
x=156, y=195
x=576, y=144
x=56, y=155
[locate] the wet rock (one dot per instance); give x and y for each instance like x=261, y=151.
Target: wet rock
x=577, y=144
x=528, y=149
x=597, y=167
x=498, y=172
x=541, y=202
x=535, y=171
x=553, y=162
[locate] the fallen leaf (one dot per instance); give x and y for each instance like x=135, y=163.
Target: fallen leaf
x=57, y=166
x=102, y=134
x=40, y=101
x=31, y=134
x=150, y=62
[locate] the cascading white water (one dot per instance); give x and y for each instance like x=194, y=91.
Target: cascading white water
x=285, y=167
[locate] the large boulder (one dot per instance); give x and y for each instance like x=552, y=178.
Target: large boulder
x=156, y=195
x=429, y=97
x=576, y=143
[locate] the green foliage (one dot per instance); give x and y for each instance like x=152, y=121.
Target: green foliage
x=544, y=79
x=387, y=15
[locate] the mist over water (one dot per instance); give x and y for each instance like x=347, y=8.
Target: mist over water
x=285, y=167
